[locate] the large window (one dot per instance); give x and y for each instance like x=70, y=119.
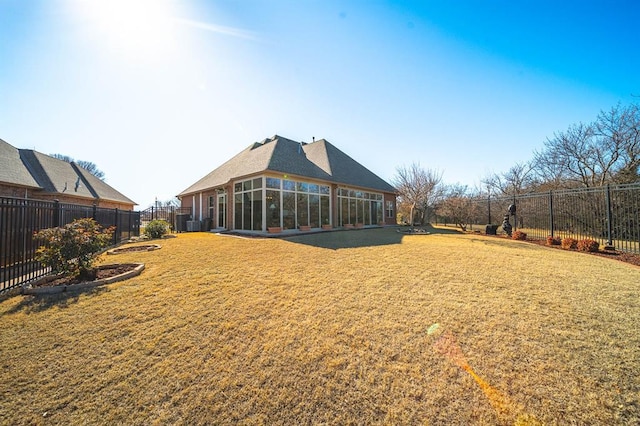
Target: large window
x=314, y=210
x=212, y=203
x=273, y=208
x=390, y=209
x=281, y=203
x=289, y=210
x=248, y=204
x=303, y=209
x=359, y=207
x=325, y=211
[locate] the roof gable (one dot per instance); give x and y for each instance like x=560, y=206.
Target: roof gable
x=56, y=175
x=344, y=169
x=254, y=159
x=12, y=169
x=317, y=160
x=25, y=167
x=100, y=188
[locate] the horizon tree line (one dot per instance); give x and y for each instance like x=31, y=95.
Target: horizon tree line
x=585, y=155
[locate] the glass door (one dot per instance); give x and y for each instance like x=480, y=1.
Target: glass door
x=222, y=210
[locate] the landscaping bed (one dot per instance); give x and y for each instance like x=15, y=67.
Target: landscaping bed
x=104, y=274
x=619, y=255
x=145, y=247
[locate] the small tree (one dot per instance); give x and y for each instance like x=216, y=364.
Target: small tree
x=74, y=248
x=459, y=206
x=418, y=191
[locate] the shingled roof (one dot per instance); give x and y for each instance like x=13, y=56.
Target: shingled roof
x=12, y=170
x=317, y=160
x=32, y=169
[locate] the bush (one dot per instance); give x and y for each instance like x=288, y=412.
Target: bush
x=554, y=241
x=569, y=243
x=588, y=245
x=156, y=228
x=519, y=235
x=73, y=249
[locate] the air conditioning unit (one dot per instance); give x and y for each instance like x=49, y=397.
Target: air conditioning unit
x=193, y=226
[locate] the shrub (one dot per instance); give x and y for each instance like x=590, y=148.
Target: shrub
x=519, y=235
x=156, y=228
x=588, y=245
x=553, y=241
x=73, y=249
x=569, y=243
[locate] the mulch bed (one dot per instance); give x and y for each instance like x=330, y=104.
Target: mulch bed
x=105, y=271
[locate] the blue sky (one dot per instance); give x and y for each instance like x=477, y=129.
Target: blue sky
x=157, y=93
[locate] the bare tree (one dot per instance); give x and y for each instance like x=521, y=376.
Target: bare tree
x=517, y=180
x=418, y=190
x=568, y=157
x=594, y=154
x=174, y=202
x=87, y=165
x=459, y=206
x=618, y=131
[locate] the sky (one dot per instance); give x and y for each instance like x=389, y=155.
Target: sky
x=158, y=93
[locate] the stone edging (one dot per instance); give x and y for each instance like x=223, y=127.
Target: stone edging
x=84, y=285
x=117, y=250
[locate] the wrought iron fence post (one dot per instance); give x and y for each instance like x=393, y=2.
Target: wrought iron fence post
x=551, y=224
x=56, y=213
x=117, y=226
x=515, y=217
x=609, y=216
x=129, y=223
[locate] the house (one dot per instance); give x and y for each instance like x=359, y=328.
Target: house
x=280, y=184
x=29, y=174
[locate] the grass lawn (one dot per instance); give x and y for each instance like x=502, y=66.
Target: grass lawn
x=355, y=327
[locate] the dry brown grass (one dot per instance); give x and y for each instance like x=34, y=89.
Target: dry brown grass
x=335, y=328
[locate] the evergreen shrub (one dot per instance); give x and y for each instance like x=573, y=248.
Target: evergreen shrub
x=156, y=228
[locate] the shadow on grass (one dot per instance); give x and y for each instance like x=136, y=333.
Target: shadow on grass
x=363, y=237
x=43, y=302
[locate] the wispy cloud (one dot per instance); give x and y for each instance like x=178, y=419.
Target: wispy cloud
x=218, y=29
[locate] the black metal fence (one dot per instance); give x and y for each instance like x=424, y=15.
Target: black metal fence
x=21, y=218
x=177, y=217
x=609, y=214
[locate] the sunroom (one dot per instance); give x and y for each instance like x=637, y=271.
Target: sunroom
x=280, y=185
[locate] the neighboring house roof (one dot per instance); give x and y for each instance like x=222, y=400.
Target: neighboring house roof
x=12, y=170
x=29, y=168
x=317, y=160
